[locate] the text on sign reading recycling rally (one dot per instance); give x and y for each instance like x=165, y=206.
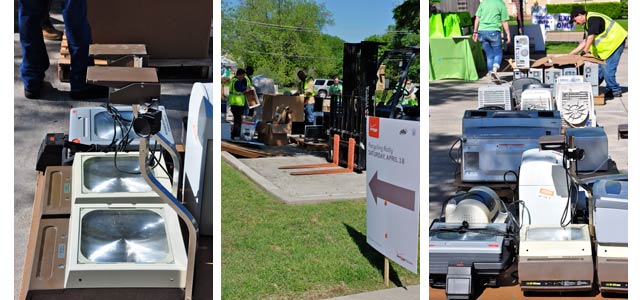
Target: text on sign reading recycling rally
x=384, y=152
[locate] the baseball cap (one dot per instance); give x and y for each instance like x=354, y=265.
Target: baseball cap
x=577, y=10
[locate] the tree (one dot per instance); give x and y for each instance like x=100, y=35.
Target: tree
x=280, y=37
x=407, y=16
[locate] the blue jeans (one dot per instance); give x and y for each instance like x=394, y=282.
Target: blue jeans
x=492, y=45
x=308, y=113
x=35, y=60
x=609, y=69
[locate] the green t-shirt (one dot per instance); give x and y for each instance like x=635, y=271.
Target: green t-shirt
x=491, y=14
x=335, y=89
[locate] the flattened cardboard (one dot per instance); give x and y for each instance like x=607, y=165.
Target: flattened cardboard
x=271, y=102
x=564, y=61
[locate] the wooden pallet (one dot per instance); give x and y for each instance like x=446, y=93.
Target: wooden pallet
x=168, y=69
x=64, y=60
x=241, y=151
x=311, y=146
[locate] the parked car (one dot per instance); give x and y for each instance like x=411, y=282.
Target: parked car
x=322, y=86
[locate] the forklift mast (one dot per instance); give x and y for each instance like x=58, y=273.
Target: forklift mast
x=348, y=115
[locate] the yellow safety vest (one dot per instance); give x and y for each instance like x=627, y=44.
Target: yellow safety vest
x=303, y=87
x=605, y=43
x=235, y=98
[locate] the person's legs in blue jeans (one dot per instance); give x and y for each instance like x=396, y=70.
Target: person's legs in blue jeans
x=492, y=45
x=35, y=60
x=308, y=113
x=611, y=67
x=78, y=34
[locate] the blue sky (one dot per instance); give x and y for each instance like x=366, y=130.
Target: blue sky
x=356, y=20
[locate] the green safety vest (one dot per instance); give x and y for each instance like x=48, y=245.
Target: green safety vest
x=249, y=83
x=235, y=98
x=303, y=87
x=605, y=43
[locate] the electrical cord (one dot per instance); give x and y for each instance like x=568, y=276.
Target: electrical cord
x=567, y=214
x=597, y=169
x=456, y=161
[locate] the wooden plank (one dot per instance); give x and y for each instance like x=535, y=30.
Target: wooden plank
x=33, y=236
x=242, y=151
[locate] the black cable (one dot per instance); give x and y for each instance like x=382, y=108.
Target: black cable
x=454, y=160
x=563, y=219
x=123, y=143
x=156, y=161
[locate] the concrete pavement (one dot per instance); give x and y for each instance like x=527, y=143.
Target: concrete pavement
x=300, y=189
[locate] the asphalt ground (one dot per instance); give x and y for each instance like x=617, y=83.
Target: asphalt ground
x=448, y=99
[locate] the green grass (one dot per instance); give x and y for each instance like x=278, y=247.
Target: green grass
x=275, y=251
x=560, y=47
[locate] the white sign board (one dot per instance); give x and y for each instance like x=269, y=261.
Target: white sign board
x=563, y=22
x=393, y=189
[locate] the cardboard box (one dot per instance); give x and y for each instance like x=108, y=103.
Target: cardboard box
x=274, y=134
x=252, y=98
x=169, y=29
x=271, y=102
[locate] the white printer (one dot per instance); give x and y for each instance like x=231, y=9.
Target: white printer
x=611, y=215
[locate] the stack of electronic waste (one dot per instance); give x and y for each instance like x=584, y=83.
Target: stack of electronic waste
x=109, y=224
x=492, y=142
x=472, y=244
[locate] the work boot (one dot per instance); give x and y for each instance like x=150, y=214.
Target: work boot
x=32, y=94
x=609, y=95
x=51, y=33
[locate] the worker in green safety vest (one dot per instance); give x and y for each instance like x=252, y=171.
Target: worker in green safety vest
x=306, y=88
x=237, y=101
x=604, y=39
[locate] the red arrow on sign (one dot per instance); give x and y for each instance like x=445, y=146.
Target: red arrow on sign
x=392, y=193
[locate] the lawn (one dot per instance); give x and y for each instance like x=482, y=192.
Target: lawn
x=271, y=250
x=560, y=47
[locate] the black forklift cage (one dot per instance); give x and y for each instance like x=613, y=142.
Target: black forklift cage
x=347, y=116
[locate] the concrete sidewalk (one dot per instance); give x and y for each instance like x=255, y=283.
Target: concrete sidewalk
x=300, y=189
x=400, y=293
